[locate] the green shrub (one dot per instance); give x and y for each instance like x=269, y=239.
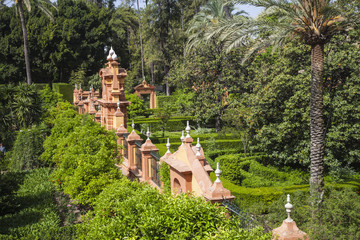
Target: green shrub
x=131, y=210
x=136, y=108
x=85, y=155
x=65, y=89
x=49, y=100
x=27, y=148
x=165, y=177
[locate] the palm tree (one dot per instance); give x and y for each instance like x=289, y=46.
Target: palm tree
x=315, y=22
x=207, y=19
x=205, y=24
x=42, y=4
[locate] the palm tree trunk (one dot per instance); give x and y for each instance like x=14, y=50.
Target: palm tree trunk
x=141, y=44
x=26, y=48
x=317, y=124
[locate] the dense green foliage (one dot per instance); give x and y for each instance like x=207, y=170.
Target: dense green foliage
x=165, y=177
x=133, y=210
x=136, y=108
x=339, y=214
x=34, y=215
x=77, y=36
x=84, y=154
x=27, y=148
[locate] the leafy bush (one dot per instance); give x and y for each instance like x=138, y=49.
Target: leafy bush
x=27, y=148
x=133, y=210
x=165, y=177
x=65, y=89
x=20, y=107
x=49, y=100
x=136, y=108
x=84, y=153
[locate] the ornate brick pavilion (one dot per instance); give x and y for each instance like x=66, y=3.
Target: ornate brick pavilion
x=189, y=170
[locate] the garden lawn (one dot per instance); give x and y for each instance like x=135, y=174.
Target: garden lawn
x=33, y=213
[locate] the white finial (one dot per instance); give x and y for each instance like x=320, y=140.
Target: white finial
x=187, y=129
x=91, y=87
x=217, y=173
x=118, y=105
x=133, y=125
x=288, y=207
x=80, y=86
x=114, y=56
x=168, y=146
x=76, y=86
x=182, y=138
x=148, y=134
x=111, y=52
x=198, y=146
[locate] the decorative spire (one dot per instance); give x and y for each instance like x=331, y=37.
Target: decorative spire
x=182, y=138
x=118, y=105
x=148, y=134
x=288, y=207
x=168, y=146
x=217, y=173
x=79, y=86
x=187, y=129
x=133, y=125
x=198, y=146
x=91, y=87
x=75, y=86
x=112, y=55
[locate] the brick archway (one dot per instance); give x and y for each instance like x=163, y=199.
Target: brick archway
x=177, y=186
x=146, y=89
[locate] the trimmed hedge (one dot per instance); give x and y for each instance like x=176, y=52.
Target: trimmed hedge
x=174, y=124
x=250, y=172
x=40, y=86
x=65, y=89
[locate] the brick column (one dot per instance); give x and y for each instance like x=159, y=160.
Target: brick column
x=146, y=149
x=121, y=131
x=133, y=136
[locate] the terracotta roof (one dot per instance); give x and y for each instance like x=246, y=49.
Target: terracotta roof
x=178, y=165
x=148, y=146
x=133, y=136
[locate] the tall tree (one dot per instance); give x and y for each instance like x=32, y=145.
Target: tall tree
x=43, y=5
x=141, y=42
x=316, y=22
x=210, y=16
